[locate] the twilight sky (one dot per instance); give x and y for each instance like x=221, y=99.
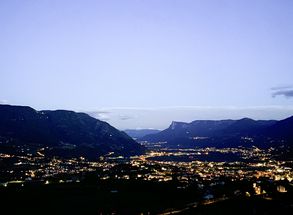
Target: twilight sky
x=144, y=63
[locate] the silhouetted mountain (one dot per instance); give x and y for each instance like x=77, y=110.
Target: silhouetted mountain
x=138, y=133
x=246, y=132
x=188, y=130
x=282, y=129
x=247, y=126
x=65, y=133
x=208, y=128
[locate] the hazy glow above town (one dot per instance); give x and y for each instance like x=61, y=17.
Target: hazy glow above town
x=161, y=117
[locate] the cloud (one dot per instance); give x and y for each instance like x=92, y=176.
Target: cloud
x=125, y=117
x=3, y=101
x=286, y=91
x=101, y=115
x=286, y=87
x=186, y=108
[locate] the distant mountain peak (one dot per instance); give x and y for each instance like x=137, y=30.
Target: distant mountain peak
x=178, y=125
x=139, y=133
x=246, y=119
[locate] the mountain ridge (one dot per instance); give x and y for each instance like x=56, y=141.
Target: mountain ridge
x=23, y=125
x=220, y=132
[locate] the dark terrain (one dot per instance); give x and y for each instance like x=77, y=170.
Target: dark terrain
x=62, y=133
x=226, y=133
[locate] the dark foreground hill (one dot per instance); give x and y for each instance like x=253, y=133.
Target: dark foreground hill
x=243, y=132
x=132, y=197
x=61, y=132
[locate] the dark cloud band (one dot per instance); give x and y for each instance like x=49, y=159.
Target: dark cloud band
x=286, y=93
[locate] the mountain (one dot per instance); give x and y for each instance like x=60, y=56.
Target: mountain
x=139, y=133
x=247, y=126
x=64, y=133
x=282, y=129
x=245, y=132
x=185, y=130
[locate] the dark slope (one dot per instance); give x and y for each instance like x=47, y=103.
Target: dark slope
x=282, y=129
x=65, y=132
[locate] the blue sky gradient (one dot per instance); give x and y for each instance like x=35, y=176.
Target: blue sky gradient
x=156, y=54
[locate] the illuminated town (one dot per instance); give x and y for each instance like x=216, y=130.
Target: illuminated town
x=186, y=166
